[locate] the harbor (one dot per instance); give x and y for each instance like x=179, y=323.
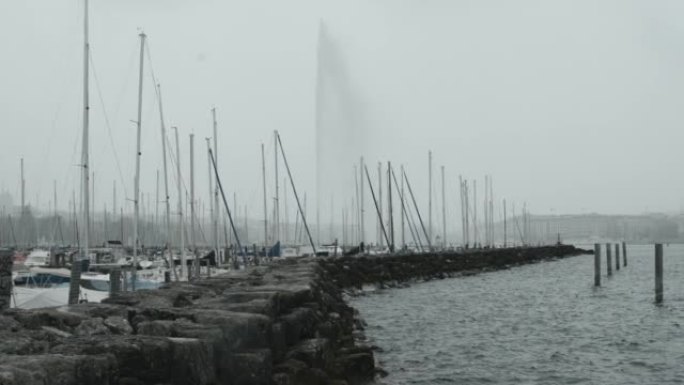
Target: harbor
x=341, y=192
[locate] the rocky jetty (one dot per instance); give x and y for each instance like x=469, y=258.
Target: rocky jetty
x=281, y=323
x=393, y=270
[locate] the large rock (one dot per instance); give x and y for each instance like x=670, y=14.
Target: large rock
x=57, y=369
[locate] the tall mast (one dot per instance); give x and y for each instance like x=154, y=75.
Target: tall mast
x=356, y=207
x=430, y=195
x=213, y=241
x=277, y=190
x=263, y=179
x=466, y=195
x=217, y=212
x=361, y=199
x=192, y=205
x=114, y=200
x=156, y=206
x=389, y=204
x=136, y=197
x=505, y=224
x=444, y=242
x=181, y=224
x=490, y=211
x=167, y=203
x=475, y=230
x=74, y=286
x=403, y=223
x=54, y=199
x=379, y=202
x=23, y=188
x=463, y=227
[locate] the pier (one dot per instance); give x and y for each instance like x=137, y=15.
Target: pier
x=282, y=323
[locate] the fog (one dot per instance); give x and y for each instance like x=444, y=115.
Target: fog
x=571, y=106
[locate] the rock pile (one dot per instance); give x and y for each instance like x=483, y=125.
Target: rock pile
x=281, y=324
x=392, y=270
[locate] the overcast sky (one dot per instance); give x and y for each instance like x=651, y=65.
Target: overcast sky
x=571, y=106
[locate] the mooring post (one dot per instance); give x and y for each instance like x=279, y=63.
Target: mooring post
x=597, y=264
x=125, y=279
x=659, y=273
x=609, y=260
x=624, y=253
x=5, y=278
x=617, y=256
x=114, y=282
x=256, y=255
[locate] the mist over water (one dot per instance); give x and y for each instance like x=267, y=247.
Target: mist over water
x=535, y=324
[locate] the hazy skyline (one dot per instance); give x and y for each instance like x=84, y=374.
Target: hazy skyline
x=571, y=106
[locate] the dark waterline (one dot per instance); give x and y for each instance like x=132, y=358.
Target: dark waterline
x=535, y=324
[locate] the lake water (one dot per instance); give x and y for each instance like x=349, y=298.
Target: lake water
x=536, y=324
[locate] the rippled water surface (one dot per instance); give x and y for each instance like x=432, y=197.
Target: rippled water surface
x=537, y=324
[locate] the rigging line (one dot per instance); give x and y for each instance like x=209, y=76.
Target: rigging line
x=151, y=69
x=107, y=123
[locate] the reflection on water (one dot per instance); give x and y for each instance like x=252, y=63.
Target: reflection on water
x=536, y=324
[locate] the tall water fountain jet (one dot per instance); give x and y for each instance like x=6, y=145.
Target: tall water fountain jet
x=340, y=131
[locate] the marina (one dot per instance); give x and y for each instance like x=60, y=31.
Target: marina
x=341, y=193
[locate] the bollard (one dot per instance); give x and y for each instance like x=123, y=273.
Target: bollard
x=114, y=282
x=6, y=263
x=624, y=253
x=124, y=274
x=609, y=260
x=256, y=255
x=597, y=264
x=167, y=277
x=659, y=273
x=617, y=257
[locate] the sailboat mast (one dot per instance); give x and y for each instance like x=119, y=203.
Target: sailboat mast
x=505, y=240
x=167, y=239
x=444, y=241
x=192, y=206
x=403, y=216
x=211, y=201
x=263, y=179
x=430, y=196
x=136, y=196
x=181, y=224
x=216, y=189
x=277, y=190
x=362, y=212
x=74, y=286
x=85, y=155
x=389, y=206
x=23, y=187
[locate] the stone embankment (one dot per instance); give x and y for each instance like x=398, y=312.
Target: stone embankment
x=393, y=270
x=283, y=323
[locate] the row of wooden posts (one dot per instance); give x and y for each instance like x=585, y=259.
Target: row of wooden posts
x=609, y=265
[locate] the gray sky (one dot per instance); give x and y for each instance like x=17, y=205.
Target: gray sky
x=571, y=106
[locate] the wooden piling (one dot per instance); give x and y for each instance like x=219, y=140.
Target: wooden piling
x=597, y=264
x=609, y=260
x=114, y=282
x=658, y=273
x=124, y=274
x=617, y=256
x=624, y=253
x=6, y=257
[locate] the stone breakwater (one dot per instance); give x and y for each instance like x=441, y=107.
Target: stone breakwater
x=283, y=323
x=280, y=324
x=393, y=270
